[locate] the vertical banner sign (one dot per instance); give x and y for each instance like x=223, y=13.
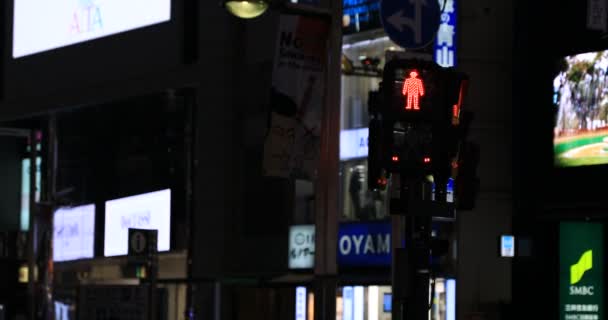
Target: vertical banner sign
x=292, y=145
x=445, y=43
x=581, y=271
x=300, y=303
x=348, y=301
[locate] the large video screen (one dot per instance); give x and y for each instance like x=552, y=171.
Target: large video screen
x=580, y=136
x=45, y=25
x=74, y=233
x=145, y=211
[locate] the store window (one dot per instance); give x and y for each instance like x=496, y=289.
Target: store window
x=362, y=62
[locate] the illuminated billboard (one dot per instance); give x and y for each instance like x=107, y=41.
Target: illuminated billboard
x=145, y=211
x=74, y=233
x=581, y=270
x=40, y=26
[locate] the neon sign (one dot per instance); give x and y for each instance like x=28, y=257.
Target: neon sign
x=445, y=44
x=413, y=89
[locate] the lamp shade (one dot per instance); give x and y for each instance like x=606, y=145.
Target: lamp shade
x=246, y=9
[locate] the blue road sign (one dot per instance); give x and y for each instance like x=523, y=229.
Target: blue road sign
x=410, y=23
x=445, y=44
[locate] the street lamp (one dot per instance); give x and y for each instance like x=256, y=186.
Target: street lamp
x=246, y=9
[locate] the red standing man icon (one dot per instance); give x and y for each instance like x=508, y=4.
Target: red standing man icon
x=413, y=88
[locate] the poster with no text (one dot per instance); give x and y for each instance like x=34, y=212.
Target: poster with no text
x=298, y=91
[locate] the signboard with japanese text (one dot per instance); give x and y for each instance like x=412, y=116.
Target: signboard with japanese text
x=445, y=43
x=302, y=247
x=74, y=233
x=581, y=272
x=297, y=97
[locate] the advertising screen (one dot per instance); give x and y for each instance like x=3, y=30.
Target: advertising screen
x=580, y=136
x=45, y=25
x=145, y=211
x=74, y=233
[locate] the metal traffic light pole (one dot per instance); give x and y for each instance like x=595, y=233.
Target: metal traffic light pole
x=411, y=140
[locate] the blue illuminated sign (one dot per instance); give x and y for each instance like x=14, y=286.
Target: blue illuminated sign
x=301, y=303
x=445, y=43
x=364, y=244
x=507, y=246
x=360, y=15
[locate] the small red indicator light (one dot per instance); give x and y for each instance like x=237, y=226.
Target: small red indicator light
x=413, y=89
x=456, y=111
x=382, y=182
x=427, y=160
x=395, y=158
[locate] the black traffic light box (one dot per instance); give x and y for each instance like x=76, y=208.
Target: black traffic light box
x=416, y=127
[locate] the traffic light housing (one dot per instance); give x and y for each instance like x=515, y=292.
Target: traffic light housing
x=416, y=126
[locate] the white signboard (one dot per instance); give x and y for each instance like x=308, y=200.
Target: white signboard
x=507, y=246
x=146, y=211
x=354, y=143
x=42, y=25
x=74, y=233
x=302, y=247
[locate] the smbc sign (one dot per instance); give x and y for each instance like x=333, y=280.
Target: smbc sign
x=581, y=271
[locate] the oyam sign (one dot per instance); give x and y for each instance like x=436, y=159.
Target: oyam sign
x=364, y=244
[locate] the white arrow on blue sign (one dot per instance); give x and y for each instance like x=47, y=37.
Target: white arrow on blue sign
x=410, y=23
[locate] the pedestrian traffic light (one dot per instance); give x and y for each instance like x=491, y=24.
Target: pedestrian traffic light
x=416, y=126
x=412, y=89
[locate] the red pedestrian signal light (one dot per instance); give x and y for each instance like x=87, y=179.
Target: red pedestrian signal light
x=413, y=90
